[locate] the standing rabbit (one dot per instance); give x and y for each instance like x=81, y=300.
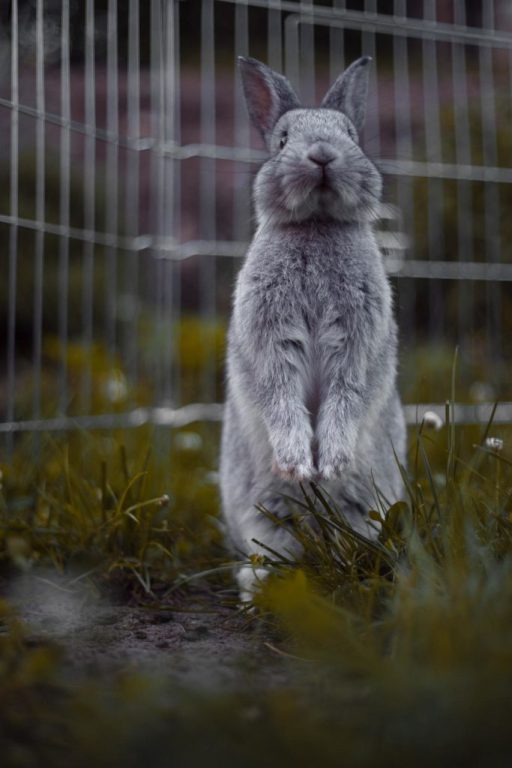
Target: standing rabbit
x=311, y=363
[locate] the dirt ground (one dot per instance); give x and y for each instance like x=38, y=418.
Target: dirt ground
x=202, y=643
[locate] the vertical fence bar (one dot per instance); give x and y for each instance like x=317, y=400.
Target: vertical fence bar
x=40, y=215
x=434, y=185
x=170, y=268
x=336, y=44
x=506, y=250
x=168, y=229
x=89, y=204
x=208, y=181
x=64, y=206
x=112, y=181
x=404, y=151
x=130, y=288
x=176, y=218
x=274, y=37
x=241, y=211
x=307, y=53
x=13, y=229
x=369, y=49
x=491, y=197
x=466, y=294
x=157, y=174
x=241, y=173
x=291, y=51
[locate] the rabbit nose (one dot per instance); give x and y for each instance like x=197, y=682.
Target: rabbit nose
x=321, y=154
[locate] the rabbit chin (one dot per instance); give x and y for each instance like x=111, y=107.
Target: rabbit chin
x=305, y=201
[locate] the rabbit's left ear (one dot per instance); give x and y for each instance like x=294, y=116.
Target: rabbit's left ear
x=267, y=93
x=349, y=91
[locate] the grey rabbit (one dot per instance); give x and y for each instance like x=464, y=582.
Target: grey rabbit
x=312, y=345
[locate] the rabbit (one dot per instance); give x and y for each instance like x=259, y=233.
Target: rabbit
x=311, y=364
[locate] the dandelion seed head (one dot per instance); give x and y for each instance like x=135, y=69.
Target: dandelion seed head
x=116, y=387
x=494, y=443
x=432, y=420
x=188, y=441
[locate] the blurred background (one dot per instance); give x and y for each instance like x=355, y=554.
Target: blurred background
x=127, y=159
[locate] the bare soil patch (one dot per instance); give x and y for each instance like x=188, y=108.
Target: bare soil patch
x=202, y=643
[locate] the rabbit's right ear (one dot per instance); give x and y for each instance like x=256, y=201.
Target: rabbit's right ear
x=268, y=95
x=348, y=93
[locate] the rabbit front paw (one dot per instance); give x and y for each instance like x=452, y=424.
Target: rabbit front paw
x=297, y=473
x=293, y=463
x=333, y=462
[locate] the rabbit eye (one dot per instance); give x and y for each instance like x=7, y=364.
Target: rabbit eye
x=283, y=140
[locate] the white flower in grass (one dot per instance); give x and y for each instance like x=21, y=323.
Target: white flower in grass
x=494, y=443
x=116, y=387
x=188, y=441
x=432, y=420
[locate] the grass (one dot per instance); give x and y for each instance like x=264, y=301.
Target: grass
x=137, y=506
x=397, y=651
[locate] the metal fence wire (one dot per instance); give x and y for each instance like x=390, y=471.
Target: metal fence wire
x=127, y=161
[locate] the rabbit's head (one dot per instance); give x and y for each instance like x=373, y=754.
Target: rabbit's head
x=316, y=169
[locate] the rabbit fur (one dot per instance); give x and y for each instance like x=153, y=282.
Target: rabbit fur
x=312, y=345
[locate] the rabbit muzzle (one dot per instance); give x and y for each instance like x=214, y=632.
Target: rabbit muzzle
x=319, y=157
x=321, y=154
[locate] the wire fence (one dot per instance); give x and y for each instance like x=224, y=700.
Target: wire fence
x=128, y=159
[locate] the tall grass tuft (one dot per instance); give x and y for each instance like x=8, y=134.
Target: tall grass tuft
x=134, y=506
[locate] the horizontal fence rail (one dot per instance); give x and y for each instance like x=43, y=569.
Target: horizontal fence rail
x=213, y=412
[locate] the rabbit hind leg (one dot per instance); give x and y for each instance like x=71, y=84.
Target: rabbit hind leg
x=263, y=537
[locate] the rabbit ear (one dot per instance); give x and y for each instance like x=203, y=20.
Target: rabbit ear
x=349, y=91
x=268, y=94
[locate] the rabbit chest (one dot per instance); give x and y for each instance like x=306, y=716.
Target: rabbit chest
x=316, y=298
x=334, y=303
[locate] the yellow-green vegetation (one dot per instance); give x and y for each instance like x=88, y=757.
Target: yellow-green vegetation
x=424, y=369
x=133, y=504
x=193, y=347
x=397, y=652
